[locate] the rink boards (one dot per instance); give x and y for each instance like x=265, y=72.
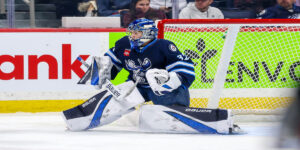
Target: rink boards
x=39, y=71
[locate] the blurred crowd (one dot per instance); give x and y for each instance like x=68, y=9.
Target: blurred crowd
x=129, y=10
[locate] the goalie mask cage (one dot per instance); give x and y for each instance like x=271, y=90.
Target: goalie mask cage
x=247, y=65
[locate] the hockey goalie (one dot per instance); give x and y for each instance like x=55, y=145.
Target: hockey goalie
x=158, y=72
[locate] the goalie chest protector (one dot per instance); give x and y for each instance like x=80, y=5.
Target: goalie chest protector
x=158, y=54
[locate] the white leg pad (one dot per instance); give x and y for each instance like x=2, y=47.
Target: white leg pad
x=107, y=109
x=157, y=118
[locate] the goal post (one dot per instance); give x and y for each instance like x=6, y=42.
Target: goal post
x=247, y=65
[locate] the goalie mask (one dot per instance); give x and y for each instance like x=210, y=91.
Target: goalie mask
x=148, y=29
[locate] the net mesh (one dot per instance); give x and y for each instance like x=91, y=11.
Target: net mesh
x=263, y=71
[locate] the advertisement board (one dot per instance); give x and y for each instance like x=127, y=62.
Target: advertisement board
x=40, y=67
x=47, y=61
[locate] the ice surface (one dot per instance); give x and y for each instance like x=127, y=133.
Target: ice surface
x=46, y=131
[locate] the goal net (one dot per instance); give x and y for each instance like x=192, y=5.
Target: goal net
x=249, y=66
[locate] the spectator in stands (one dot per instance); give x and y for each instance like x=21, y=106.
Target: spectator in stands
x=104, y=7
x=141, y=9
x=2, y=10
x=66, y=8
x=283, y=9
x=297, y=2
x=112, y=7
x=89, y=7
x=201, y=9
x=256, y=5
x=166, y=6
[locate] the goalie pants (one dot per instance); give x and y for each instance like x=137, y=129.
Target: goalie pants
x=180, y=97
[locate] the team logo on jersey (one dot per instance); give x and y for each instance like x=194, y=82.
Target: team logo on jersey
x=139, y=69
x=127, y=52
x=172, y=47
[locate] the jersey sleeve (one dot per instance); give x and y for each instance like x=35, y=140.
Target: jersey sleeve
x=179, y=63
x=113, y=54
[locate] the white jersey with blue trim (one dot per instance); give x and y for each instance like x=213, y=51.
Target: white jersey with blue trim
x=160, y=54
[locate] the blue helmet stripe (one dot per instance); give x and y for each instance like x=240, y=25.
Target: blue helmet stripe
x=147, y=27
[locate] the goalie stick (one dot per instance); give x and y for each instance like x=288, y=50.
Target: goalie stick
x=111, y=87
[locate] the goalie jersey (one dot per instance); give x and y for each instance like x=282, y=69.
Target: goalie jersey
x=160, y=54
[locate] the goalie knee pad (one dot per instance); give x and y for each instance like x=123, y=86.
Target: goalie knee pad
x=178, y=119
x=101, y=109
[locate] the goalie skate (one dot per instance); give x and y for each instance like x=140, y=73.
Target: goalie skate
x=235, y=129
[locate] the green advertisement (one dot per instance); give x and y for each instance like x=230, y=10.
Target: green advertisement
x=259, y=59
x=113, y=38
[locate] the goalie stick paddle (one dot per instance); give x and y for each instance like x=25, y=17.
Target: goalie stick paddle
x=111, y=87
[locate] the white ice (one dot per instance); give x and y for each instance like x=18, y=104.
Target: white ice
x=46, y=131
